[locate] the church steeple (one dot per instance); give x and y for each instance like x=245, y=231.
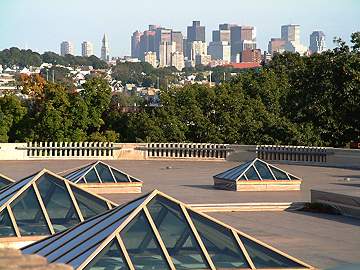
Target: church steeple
x=105, y=51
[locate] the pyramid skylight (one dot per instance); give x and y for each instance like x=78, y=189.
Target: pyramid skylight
x=4, y=180
x=99, y=172
x=45, y=203
x=159, y=232
x=256, y=169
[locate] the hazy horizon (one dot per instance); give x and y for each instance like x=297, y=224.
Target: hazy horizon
x=44, y=25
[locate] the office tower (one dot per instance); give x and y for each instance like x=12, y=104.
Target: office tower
x=202, y=59
x=177, y=37
x=177, y=60
x=317, y=42
x=87, y=49
x=196, y=32
x=105, y=51
x=198, y=48
x=253, y=56
x=161, y=35
x=147, y=43
x=290, y=32
x=166, y=50
x=242, y=38
x=276, y=45
x=153, y=27
x=150, y=57
x=220, y=50
x=221, y=35
x=135, y=44
x=66, y=47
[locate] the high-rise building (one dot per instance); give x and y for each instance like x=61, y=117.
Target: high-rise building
x=150, y=57
x=177, y=37
x=242, y=38
x=161, y=35
x=290, y=32
x=221, y=35
x=87, y=49
x=166, y=50
x=276, y=45
x=105, y=51
x=317, y=42
x=66, y=47
x=220, y=50
x=198, y=48
x=202, y=59
x=135, y=44
x=253, y=56
x=196, y=32
x=147, y=43
x=177, y=60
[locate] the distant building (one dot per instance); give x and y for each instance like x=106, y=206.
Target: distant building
x=291, y=34
x=276, y=45
x=202, y=59
x=220, y=50
x=66, y=47
x=242, y=38
x=87, y=49
x=196, y=32
x=177, y=37
x=105, y=51
x=147, y=43
x=221, y=35
x=135, y=44
x=165, y=53
x=150, y=57
x=252, y=56
x=198, y=48
x=177, y=60
x=317, y=42
x=161, y=35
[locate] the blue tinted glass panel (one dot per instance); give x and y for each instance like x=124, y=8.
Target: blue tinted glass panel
x=6, y=227
x=91, y=177
x=120, y=177
x=263, y=170
x=279, y=175
x=104, y=173
x=251, y=174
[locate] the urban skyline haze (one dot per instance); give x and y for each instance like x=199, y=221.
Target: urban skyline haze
x=44, y=25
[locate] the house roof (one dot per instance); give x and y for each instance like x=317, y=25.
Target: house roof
x=256, y=169
x=45, y=203
x=99, y=172
x=156, y=231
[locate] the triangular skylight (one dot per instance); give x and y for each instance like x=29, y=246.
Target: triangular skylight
x=45, y=203
x=257, y=170
x=4, y=180
x=99, y=172
x=159, y=232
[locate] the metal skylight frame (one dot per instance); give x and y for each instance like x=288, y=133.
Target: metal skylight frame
x=11, y=192
x=79, y=174
x=130, y=214
x=248, y=164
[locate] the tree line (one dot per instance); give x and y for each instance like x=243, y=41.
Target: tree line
x=293, y=100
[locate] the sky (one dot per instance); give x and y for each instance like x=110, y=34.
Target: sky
x=41, y=25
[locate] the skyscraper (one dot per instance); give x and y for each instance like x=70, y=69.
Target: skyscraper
x=162, y=35
x=147, y=43
x=177, y=37
x=196, y=32
x=87, y=49
x=66, y=47
x=221, y=35
x=135, y=44
x=220, y=50
x=317, y=42
x=290, y=32
x=166, y=50
x=276, y=45
x=105, y=51
x=242, y=38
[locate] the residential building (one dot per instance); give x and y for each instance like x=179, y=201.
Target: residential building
x=135, y=44
x=317, y=42
x=253, y=56
x=220, y=50
x=276, y=45
x=150, y=57
x=177, y=60
x=87, y=49
x=105, y=50
x=66, y=47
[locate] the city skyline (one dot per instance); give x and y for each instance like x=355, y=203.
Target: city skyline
x=77, y=28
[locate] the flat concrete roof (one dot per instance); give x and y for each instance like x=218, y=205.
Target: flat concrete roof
x=318, y=239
